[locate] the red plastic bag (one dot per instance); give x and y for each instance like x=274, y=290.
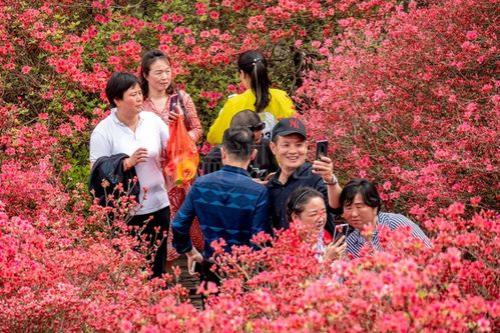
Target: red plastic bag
x=181, y=156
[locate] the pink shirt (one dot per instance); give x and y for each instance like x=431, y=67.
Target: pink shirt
x=191, y=119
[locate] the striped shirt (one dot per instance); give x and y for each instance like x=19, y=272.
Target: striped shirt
x=355, y=241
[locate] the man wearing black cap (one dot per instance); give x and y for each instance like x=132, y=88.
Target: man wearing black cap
x=289, y=146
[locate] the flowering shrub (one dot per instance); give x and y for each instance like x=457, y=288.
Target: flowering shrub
x=404, y=91
x=406, y=288
x=60, y=269
x=414, y=103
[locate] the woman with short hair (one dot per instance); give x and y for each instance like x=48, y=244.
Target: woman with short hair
x=142, y=136
x=361, y=204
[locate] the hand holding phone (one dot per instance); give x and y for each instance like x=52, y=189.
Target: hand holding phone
x=175, y=108
x=340, y=230
x=323, y=165
x=336, y=249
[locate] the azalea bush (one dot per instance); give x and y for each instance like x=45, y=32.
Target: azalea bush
x=405, y=92
x=406, y=288
x=410, y=99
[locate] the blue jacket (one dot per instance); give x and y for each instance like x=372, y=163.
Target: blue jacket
x=228, y=204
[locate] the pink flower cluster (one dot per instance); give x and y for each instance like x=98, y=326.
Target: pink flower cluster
x=397, y=114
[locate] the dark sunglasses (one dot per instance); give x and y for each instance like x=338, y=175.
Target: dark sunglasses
x=258, y=127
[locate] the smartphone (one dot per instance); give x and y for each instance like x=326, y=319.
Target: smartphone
x=340, y=230
x=258, y=173
x=174, y=100
x=321, y=148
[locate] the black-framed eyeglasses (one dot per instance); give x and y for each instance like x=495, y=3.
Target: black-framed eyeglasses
x=259, y=127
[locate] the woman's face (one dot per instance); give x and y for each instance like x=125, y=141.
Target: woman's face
x=160, y=75
x=358, y=214
x=131, y=103
x=313, y=216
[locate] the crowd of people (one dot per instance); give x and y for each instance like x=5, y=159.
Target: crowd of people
x=255, y=179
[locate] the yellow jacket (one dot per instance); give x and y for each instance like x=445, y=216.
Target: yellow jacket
x=280, y=106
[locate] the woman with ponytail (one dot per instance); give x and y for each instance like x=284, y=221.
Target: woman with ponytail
x=271, y=104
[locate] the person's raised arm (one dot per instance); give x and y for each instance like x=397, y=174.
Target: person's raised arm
x=324, y=168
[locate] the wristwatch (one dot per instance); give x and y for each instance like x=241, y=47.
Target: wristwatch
x=334, y=180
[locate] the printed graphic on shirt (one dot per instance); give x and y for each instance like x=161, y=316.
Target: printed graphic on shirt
x=270, y=121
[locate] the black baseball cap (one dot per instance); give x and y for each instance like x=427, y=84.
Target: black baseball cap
x=289, y=126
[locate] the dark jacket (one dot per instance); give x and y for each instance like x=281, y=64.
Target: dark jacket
x=279, y=193
x=228, y=204
x=110, y=168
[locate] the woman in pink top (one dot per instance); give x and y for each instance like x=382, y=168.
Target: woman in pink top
x=161, y=95
x=163, y=98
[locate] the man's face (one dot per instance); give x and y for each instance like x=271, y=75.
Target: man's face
x=290, y=151
x=358, y=214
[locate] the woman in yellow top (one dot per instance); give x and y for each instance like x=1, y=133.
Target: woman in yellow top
x=271, y=104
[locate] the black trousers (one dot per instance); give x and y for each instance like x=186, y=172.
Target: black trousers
x=155, y=227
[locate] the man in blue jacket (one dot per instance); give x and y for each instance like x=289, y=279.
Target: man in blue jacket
x=228, y=203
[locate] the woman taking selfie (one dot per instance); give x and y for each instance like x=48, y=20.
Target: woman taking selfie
x=305, y=205
x=271, y=104
x=163, y=98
